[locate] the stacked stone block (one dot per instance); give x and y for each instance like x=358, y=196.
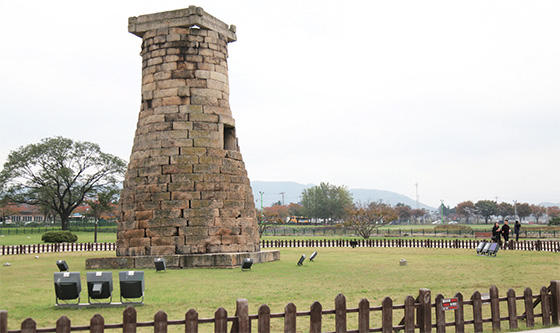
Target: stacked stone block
x=186, y=190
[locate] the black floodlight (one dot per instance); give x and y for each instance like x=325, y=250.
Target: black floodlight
x=480, y=247
x=247, y=263
x=300, y=262
x=100, y=285
x=62, y=265
x=160, y=264
x=313, y=255
x=493, y=250
x=486, y=248
x=132, y=285
x=67, y=286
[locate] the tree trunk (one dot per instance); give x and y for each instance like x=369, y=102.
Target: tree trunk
x=64, y=222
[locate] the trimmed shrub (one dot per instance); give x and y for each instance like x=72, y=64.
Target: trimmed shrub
x=59, y=236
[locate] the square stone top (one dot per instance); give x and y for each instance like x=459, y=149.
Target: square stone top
x=185, y=18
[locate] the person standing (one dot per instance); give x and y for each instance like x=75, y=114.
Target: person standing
x=505, y=232
x=516, y=229
x=496, y=233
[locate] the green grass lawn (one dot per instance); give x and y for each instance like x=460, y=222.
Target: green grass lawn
x=26, y=287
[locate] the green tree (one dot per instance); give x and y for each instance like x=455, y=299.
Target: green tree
x=326, y=201
x=523, y=210
x=538, y=211
x=505, y=209
x=404, y=212
x=466, y=209
x=295, y=209
x=364, y=218
x=58, y=173
x=106, y=198
x=486, y=208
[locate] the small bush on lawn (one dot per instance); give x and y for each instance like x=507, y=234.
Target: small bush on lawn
x=59, y=236
x=554, y=221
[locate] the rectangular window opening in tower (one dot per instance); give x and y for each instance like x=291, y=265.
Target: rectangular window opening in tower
x=229, y=138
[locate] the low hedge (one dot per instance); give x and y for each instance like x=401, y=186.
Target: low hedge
x=59, y=236
x=452, y=227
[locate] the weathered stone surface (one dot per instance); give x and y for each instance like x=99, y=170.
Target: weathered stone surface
x=186, y=189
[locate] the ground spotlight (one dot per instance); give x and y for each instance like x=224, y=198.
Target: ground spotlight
x=132, y=285
x=247, y=263
x=160, y=264
x=312, y=256
x=100, y=285
x=300, y=262
x=480, y=247
x=67, y=286
x=62, y=265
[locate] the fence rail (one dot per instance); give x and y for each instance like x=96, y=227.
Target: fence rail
x=526, y=232
x=538, y=245
x=417, y=314
x=62, y=247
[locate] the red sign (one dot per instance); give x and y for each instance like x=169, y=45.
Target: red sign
x=450, y=304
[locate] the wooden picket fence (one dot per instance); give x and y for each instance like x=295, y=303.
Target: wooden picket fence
x=536, y=245
x=417, y=315
x=53, y=247
x=525, y=245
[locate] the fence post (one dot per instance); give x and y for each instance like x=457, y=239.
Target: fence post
x=529, y=314
x=220, y=320
x=191, y=321
x=28, y=326
x=424, y=315
x=512, y=309
x=387, y=315
x=315, y=318
x=160, y=322
x=363, y=316
x=289, y=318
x=555, y=306
x=96, y=324
x=63, y=325
x=459, y=314
x=340, y=313
x=242, y=313
x=545, y=306
x=129, y=320
x=477, y=311
x=495, y=308
x=3, y=321
x=409, y=314
x=264, y=319
x=440, y=314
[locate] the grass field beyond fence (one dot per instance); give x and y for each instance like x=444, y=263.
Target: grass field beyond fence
x=26, y=287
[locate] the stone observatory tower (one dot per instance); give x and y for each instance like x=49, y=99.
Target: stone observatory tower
x=186, y=190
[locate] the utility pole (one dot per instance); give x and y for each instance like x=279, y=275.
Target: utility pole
x=261, y=192
x=441, y=211
x=417, y=204
x=282, y=193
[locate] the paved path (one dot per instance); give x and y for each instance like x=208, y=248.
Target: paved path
x=543, y=330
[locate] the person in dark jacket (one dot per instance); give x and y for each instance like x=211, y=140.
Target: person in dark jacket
x=505, y=231
x=496, y=233
x=516, y=230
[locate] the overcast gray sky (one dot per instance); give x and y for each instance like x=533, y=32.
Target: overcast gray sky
x=461, y=97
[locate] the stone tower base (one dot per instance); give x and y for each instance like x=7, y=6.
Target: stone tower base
x=179, y=261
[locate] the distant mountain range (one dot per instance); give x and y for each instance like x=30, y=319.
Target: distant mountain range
x=288, y=192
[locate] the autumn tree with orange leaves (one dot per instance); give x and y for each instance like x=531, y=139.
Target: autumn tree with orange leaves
x=366, y=217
